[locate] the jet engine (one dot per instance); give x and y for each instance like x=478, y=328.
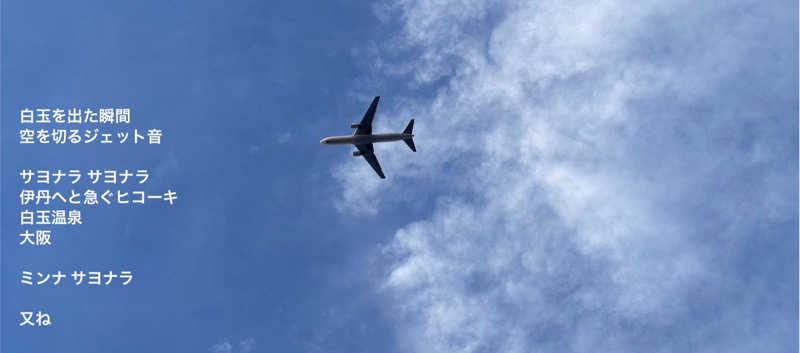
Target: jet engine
x=357, y=153
x=355, y=126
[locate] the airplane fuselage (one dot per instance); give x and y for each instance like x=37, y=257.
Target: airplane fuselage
x=363, y=139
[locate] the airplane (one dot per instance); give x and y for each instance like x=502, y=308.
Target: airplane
x=363, y=138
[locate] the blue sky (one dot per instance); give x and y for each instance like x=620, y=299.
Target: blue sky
x=614, y=177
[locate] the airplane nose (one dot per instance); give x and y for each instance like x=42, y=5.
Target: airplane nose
x=323, y=141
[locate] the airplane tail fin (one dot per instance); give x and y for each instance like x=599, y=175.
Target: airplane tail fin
x=410, y=141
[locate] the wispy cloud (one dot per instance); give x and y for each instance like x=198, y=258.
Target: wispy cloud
x=284, y=137
x=604, y=177
x=226, y=346
x=222, y=347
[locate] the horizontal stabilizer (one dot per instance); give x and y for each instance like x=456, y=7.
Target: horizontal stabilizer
x=409, y=127
x=410, y=143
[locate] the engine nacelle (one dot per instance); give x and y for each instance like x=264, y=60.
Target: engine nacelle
x=355, y=126
x=357, y=153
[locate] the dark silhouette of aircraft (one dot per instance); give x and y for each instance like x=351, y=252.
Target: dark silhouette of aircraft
x=363, y=138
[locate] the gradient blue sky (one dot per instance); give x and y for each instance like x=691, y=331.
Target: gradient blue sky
x=615, y=178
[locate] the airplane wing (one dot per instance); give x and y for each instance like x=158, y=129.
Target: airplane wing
x=365, y=126
x=369, y=154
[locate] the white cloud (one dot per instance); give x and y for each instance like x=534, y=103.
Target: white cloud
x=586, y=145
x=222, y=347
x=243, y=346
